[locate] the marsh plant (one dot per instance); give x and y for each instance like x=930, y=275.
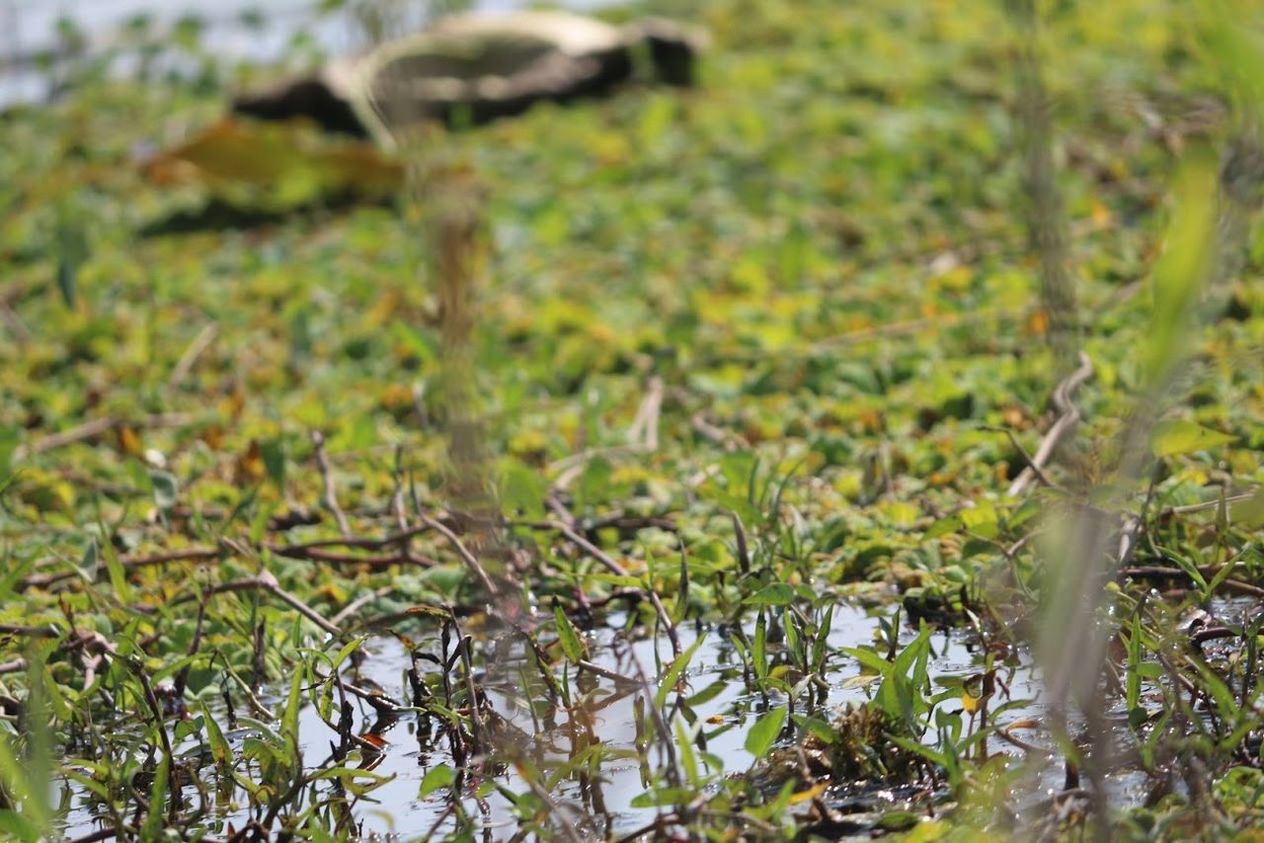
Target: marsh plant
x=864, y=442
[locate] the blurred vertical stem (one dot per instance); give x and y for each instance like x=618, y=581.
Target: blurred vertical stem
x=458, y=246
x=1046, y=227
x=1211, y=206
x=451, y=201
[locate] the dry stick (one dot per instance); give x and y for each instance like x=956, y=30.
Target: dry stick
x=658, y=824
x=266, y=582
x=49, y=631
x=726, y=440
x=358, y=604
x=1028, y=460
x=1205, y=505
x=379, y=703
x=309, y=552
x=12, y=666
x=614, y=567
x=374, y=562
x=96, y=427
x=15, y=324
x=644, y=430
x=331, y=497
x=471, y=562
x=97, y=836
x=606, y=673
x=195, y=554
x=1231, y=586
x=1068, y=417
x=568, y=827
x=356, y=541
x=190, y=357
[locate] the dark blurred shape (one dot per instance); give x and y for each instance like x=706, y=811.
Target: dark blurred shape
x=471, y=69
x=309, y=97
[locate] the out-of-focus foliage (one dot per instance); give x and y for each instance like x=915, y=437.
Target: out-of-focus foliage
x=817, y=252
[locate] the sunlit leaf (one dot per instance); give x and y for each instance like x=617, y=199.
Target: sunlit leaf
x=1185, y=437
x=764, y=733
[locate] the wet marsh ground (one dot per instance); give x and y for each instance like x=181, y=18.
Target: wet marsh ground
x=727, y=528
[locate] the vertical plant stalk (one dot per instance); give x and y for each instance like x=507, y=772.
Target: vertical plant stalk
x=458, y=245
x=1046, y=225
x=1201, y=250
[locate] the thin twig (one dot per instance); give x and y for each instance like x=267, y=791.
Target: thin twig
x=1068, y=417
x=13, y=666
x=470, y=560
x=614, y=567
x=379, y=703
x=48, y=631
x=191, y=355
x=358, y=541
x=193, y=554
x=327, y=475
x=1028, y=460
x=606, y=673
x=96, y=427
x=644, y=430
x=1205, y=505
x=1232, y=586
x=358, y=604
x=726, y=440
x=265, y=581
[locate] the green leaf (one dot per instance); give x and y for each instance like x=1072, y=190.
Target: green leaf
x=777, y=594
x=659, y=796
x=220, y=749
x=156, y=818
x=437, y=778
x=289, y=720
x=522, y=490
x=817, y=727
x=15, y=826
x=764, y=733
x=89, y=561
x=1133, y=690
x=165, y=488
x=708, y=693
x=568, y=636
x=118, y=575
x=674, y=670
x=1182, y=268
x=1184, y=437
x=1249, y=512
x=273, y=454
x=942, y=527
x=10, y=436
x=759, y=646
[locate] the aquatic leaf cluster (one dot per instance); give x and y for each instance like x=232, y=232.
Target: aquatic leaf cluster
x=734, y=364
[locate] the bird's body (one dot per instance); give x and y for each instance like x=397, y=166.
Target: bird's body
x=475, y=68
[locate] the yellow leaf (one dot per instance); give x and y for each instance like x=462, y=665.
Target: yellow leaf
x=805, y=795
x=1038, y=323
x=249, y=468
x=129, y=441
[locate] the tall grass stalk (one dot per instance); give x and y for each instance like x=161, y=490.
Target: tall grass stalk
x=1097, y=534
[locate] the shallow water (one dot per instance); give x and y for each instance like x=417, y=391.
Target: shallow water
x=604, y=808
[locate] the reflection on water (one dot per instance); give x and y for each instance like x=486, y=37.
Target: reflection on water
x=412, y=750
